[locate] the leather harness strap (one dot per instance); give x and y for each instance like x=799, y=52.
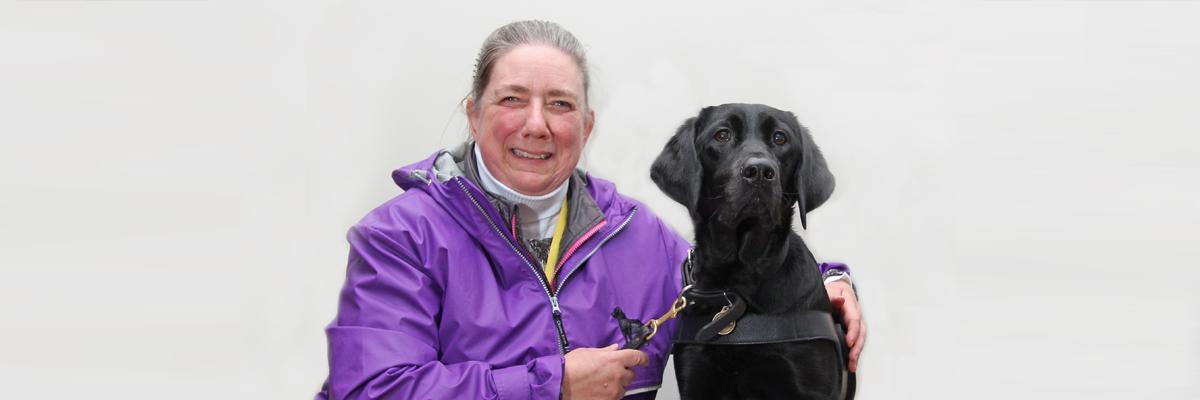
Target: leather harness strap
x=687, y=267
x=724, y=322
x=751, y=329
x=795, y=326
x=703, y=328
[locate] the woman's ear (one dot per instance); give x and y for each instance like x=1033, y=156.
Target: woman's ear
x=472, y=114
x=589, y=122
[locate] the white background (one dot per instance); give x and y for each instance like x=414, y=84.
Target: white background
x=1017, y=180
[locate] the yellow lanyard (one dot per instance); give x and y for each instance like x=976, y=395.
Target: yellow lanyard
x=552, y=258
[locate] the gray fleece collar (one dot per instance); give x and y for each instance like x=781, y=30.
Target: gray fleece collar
x=582, y=215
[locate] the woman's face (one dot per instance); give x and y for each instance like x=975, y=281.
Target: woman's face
x=532, y=120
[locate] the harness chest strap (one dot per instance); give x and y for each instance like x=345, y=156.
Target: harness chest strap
x=793, y=326
x=750, y=329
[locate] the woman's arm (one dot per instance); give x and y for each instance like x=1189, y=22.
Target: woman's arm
x=843, y=296
x=383, y=342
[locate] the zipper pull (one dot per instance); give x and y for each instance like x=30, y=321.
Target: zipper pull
x=554, y=306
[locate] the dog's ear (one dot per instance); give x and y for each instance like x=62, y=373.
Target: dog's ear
x=676, y=171
x=813, y=179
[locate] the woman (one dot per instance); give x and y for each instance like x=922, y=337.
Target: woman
x=493, y=274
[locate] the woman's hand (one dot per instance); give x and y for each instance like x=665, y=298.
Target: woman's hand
x=591, y=373
x=845, y=304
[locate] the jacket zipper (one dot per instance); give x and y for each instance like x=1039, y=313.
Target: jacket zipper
x=525, y=251
x=576, y=245
x=554, y=297
x=562, y=333
x=628, y=218
x=563, y=345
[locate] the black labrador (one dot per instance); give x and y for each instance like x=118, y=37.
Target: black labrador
x=758, y=321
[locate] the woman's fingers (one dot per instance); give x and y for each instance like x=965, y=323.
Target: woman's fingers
x=630, y=358
x=853, y=329
x=591, y=373
x=625, y=378
x=627, y=359
x=845, y=304
x=857, y=347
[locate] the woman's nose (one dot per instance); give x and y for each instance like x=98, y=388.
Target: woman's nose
x=535, y=123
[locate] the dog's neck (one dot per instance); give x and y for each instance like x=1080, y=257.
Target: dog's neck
x=759, y=264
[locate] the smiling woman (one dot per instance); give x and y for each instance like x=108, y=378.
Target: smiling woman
x=492, y=276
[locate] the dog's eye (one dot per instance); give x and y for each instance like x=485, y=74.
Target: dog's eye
x=779, y=138
x=722, y=135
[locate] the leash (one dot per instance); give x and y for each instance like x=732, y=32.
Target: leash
x=723, y=322
x=677, y=306
x=637, y=333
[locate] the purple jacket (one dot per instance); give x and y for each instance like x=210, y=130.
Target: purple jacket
x=442, y=302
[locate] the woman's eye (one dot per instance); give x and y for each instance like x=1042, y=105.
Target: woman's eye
x=562, y=105
x=780, y=138
x=722, y=135
x=510, y=100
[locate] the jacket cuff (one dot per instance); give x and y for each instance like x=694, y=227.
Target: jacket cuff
x=836, y=271
x=539, y=379
x=827, y=267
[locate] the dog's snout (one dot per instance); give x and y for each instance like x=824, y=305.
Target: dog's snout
x=757, y=169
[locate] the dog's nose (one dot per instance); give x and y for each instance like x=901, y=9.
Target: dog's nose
x=758, y=169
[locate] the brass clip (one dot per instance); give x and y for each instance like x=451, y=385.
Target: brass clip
x=679, y=304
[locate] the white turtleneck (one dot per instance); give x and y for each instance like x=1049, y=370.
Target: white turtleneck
x=537, y=214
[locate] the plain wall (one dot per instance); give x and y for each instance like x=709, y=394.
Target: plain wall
x=1017, y=180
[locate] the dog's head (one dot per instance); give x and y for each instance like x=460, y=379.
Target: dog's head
x=743, y=162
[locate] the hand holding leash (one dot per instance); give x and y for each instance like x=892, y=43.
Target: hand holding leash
x=636, y=333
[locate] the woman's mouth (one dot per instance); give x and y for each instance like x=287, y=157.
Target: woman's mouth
x=532, y=156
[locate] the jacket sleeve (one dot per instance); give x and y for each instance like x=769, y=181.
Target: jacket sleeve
x=669, y=254
x=384, y=341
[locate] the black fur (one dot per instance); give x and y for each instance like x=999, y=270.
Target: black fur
x=745, y=243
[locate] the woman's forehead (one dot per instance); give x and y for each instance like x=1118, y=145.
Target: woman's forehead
x=521, y=89
x=540, y=68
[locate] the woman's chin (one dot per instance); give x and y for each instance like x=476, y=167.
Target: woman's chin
x=534, y=185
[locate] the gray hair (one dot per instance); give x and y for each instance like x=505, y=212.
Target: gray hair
x=515, y=34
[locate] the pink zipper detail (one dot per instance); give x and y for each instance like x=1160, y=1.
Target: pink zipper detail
x=575, y=246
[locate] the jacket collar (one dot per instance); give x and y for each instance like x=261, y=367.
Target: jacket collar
x=451, y=178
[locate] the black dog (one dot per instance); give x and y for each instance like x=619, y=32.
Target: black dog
x=739, y=169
